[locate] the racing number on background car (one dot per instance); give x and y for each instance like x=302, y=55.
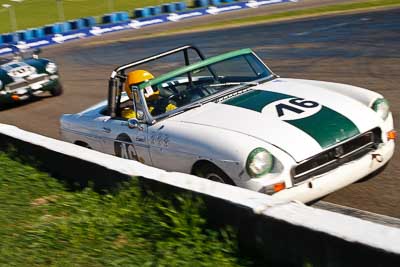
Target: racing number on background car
x=298, y=106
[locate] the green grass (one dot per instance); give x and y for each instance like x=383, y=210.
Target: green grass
x=34, y=13
x=44, y=224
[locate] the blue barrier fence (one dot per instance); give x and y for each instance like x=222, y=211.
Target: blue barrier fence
x=168, y=8
x=89, y=21
x=76, y=24
x=86, y=27
x=215, y=2
x=201, y=3
x=142, y=12
x=180, y=6
x=155, y=10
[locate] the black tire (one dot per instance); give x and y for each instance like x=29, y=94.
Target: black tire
x=213, y=173
x=57, y=90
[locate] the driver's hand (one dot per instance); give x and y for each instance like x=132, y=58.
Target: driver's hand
x=170, y=107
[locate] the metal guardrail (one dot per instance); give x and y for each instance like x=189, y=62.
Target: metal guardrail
x=282, y=232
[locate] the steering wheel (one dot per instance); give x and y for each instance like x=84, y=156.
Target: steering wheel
x=176, y=96
x=169, y=91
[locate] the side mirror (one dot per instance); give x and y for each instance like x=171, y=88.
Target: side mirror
x=140, y=115
x=134, y=124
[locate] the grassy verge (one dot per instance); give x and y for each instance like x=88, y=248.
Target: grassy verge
x=34, y=13
x=42, y=224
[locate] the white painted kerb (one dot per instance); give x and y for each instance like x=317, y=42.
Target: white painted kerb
x=339, y=225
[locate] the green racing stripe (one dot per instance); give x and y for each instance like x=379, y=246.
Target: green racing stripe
x=327, y=126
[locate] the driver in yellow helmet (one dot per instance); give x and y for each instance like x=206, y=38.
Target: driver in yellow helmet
x=135, y=78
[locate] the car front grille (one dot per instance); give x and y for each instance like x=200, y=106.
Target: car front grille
x=26, y=83
x=336, y=156
x=16, y=85
x=38, y=78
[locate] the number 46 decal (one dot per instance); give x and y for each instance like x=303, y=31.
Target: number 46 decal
x=292, y=108
x=299, y=105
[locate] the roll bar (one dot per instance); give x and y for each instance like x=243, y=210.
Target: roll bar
x=118, y=73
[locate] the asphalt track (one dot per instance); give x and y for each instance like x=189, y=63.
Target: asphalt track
x=359, y=49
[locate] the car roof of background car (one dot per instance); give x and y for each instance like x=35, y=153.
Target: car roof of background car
x=200, y=64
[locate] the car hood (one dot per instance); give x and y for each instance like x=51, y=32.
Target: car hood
x=301, y=119
x=15, y=70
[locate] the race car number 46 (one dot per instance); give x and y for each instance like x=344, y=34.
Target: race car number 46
x=292, y=108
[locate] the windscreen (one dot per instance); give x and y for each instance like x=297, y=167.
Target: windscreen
x=199, y=83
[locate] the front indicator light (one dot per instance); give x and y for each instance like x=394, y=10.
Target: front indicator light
x=279, y=187
x=51, y=68
x=392, y=135
x=273, y=188
x=15, y=97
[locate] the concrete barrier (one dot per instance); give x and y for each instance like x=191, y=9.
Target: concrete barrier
x=285, y=233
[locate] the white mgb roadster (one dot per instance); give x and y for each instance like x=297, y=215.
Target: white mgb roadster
x=230, y=119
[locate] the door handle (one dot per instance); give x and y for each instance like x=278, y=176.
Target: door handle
x=106, y=129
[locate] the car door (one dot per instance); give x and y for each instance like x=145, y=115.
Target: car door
x=125, y=142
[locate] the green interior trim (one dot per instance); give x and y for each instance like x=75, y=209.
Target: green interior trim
x=200, y=64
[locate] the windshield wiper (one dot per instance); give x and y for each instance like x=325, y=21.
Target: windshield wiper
x=183, y=109
x=233, y=83
x=192, y=106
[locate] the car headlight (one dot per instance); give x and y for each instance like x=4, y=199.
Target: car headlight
x=1, y=85
x=381, y=106
x=259, y=162
x=51, y=68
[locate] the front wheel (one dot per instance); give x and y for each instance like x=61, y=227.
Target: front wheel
x=57, y=90
x=213, y=173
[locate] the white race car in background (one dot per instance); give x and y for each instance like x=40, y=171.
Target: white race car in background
x=236, y=122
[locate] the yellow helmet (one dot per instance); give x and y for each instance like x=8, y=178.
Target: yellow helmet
x=136, y=77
